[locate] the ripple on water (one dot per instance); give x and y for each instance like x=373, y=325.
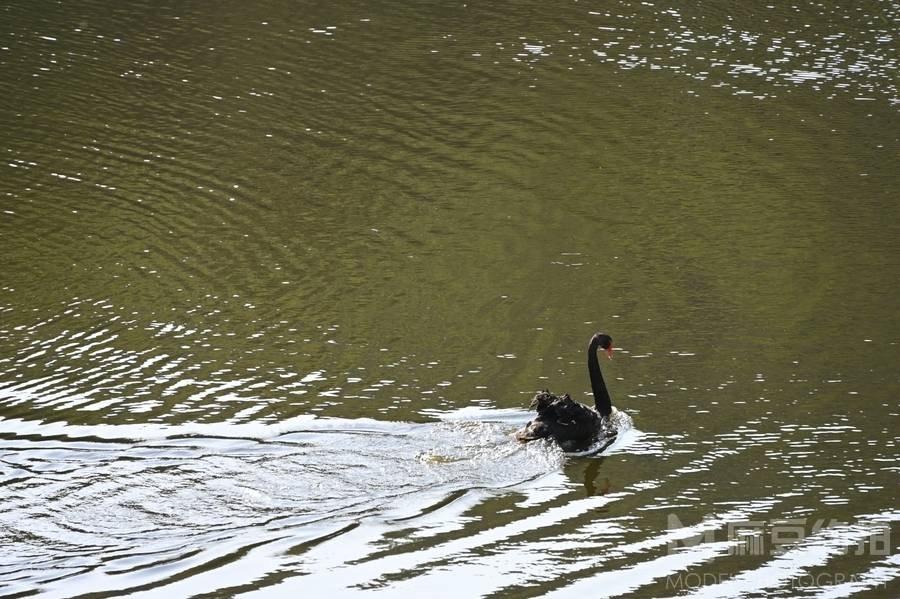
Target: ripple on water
x=113, y=507
x=213, y=177
x=77, y=504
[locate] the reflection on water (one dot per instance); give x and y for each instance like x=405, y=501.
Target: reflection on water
x=362, y=504
x=278, y=282
x=88, y=509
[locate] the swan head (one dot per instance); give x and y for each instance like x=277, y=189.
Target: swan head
x=604, y=341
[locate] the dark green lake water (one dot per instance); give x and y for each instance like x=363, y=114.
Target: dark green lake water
x=279, y=281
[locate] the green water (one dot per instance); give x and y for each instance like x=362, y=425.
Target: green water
x=279, y=281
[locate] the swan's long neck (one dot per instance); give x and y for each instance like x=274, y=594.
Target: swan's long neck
x=602, y=401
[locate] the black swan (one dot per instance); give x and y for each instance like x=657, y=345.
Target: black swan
x=574, y=426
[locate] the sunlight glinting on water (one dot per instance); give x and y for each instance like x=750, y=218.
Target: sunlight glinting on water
x=279, y=282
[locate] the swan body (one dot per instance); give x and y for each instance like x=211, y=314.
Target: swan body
x=575, y=426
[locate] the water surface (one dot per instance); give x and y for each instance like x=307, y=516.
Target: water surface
x=279, y=281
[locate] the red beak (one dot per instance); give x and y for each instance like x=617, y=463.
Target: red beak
x=609, y=351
